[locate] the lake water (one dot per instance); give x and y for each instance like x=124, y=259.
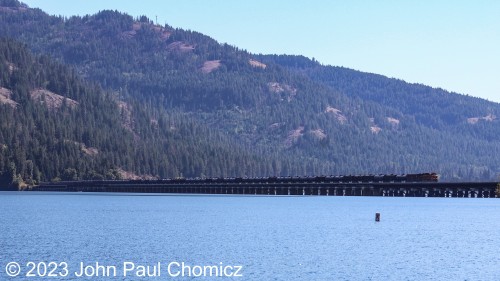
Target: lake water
x=271, y=238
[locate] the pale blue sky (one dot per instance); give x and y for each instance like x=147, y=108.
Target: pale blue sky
x=452, y=44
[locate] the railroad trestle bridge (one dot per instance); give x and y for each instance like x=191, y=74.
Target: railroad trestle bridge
x=295, y=188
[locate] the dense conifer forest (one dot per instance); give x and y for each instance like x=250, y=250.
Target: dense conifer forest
x=110, y=96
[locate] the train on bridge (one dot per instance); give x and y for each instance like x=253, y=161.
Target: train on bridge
x=423, y=177
x=410, y=185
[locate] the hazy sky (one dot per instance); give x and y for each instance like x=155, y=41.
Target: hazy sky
x=452, y=44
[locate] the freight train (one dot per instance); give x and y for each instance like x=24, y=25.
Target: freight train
x=423, y=177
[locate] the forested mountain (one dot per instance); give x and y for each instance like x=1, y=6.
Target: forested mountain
x=431, y=107
x=147, y=100
x=55, y=126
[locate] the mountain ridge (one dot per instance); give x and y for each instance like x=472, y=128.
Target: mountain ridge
x=309, y=118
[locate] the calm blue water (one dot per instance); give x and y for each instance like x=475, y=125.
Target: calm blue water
x=272, y=238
